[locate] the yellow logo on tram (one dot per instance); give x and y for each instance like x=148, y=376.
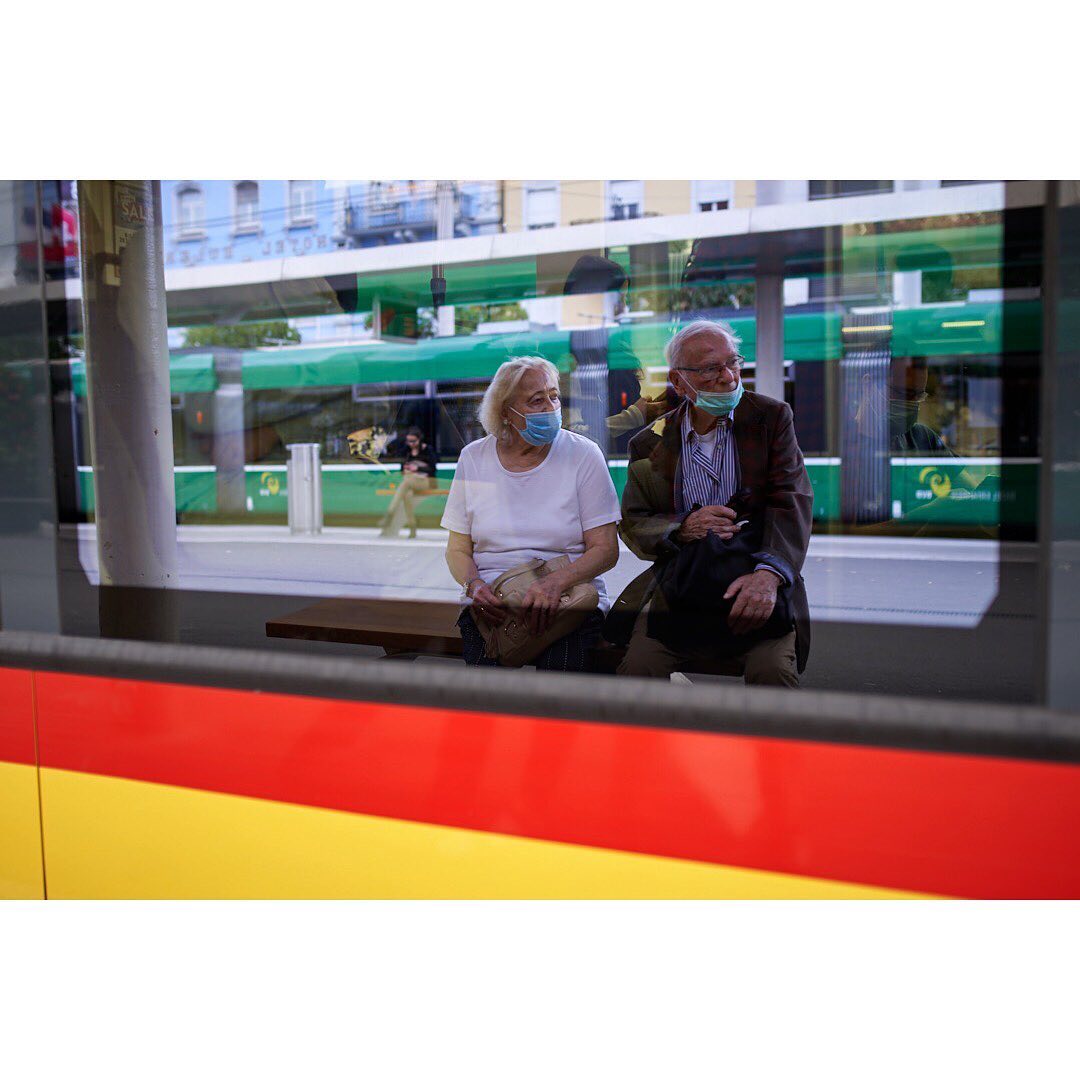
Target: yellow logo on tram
x=940, y=484
x=270, y=481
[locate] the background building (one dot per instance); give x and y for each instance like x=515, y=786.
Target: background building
x=211, y=222
x=221, y=223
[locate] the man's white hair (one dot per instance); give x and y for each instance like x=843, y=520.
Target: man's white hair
x=673, y=353
x=503, y=387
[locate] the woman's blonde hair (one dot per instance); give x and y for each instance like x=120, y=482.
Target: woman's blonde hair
x=503, y=387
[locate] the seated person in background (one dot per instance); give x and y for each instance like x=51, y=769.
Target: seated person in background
x=905, y=393
x=417, y=480
x=683, y=472
x=887, y=421
x=530, y=490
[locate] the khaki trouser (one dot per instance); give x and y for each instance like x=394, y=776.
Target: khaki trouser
x=411, y=487
x=769, y=663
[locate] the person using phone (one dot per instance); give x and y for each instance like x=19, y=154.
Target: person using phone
x=683, y=471
x=417, y=481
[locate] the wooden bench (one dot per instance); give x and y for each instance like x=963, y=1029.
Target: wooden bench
x=401, y=628
x=398, y=627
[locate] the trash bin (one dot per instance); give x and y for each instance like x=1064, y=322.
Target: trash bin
x=304, y=478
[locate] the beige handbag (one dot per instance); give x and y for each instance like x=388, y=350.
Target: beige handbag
x=511, y=643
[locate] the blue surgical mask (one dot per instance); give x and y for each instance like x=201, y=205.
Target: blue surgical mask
x=719, y=404
x=540, y=428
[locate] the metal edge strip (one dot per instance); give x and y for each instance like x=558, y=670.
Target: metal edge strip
x=810, y=715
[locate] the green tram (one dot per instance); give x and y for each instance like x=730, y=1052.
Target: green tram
x=323, y=393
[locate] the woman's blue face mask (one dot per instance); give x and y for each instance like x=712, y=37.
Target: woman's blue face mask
x=540, y=428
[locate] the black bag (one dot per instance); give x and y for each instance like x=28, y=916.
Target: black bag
x=694, y=612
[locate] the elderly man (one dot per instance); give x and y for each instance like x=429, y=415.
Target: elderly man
x=683, y=470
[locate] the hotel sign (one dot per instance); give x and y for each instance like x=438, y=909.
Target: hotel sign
x=248, y=249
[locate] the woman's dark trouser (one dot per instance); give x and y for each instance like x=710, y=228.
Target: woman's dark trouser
x=569, y=653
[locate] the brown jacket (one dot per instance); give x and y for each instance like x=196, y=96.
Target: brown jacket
x=770, y=465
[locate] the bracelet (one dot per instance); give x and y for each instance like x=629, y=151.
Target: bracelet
x=470, y=583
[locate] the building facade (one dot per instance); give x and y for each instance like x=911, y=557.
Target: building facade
x=215, y=222
x=210, y=225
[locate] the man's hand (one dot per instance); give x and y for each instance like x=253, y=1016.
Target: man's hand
x=755, y=599
x=709, y=519
x=487, y=605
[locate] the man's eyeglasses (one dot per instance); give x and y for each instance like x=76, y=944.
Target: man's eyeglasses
x=712, y=373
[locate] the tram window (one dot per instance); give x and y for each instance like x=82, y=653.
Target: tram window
x=851, y=288
x=328, y=415
x=391, y=417
x=963, y=404
x=805, y=391
x=458, y=415
x=185, y=415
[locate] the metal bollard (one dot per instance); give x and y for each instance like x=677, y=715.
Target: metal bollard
x=304, y=479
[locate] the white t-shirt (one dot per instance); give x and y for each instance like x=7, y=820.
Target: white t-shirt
x=540, y=514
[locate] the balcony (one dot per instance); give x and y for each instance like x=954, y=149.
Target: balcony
x=381, y=216
x=407, y=212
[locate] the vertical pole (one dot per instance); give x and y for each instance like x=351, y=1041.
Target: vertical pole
x=1059, y=524
x=30, y=585
x=769, y=307
x=304, y=483
x=907, y=284
x=907, y=288
x=229, y=433
x=444, y=230
x=127, y=369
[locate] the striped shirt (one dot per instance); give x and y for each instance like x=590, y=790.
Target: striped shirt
x=709, y=474
x=708, y=466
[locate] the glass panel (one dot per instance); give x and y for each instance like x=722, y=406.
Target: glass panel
x=907, y=347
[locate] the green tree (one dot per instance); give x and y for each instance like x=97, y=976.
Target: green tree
x=467, y=317
x=242, y=335
x=407, y=323
x=725, y=294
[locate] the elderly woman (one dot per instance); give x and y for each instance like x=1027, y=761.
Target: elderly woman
x=530, y=490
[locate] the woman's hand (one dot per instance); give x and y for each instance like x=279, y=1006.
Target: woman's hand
x=486, y=604
x=541, y=602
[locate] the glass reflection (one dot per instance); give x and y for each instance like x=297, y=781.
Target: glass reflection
x=907, y=348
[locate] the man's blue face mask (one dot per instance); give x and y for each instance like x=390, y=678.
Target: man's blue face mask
x=540, y=428
x=719, y=404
